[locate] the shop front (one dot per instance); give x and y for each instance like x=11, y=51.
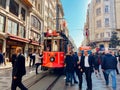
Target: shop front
x=12, y=42
x=34, y=45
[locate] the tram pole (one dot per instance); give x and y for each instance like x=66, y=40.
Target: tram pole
x=57, y=15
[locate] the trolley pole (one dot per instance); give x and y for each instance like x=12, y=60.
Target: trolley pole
x=57, y=15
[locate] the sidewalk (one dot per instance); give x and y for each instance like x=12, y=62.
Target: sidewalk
x=5, y=78
x=9, y=65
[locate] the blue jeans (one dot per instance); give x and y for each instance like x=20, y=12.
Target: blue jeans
x=69, y=77
x=113, y=75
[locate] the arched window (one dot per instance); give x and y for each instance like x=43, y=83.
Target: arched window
x=35, y=23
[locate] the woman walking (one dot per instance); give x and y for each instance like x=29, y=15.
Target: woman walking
x=69, y=68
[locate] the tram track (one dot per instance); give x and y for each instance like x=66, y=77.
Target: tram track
x=31, y=81
x=35, y=81
x=46, y=82
x=53, y=83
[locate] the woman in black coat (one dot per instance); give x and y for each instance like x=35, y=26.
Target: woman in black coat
x=69, y=68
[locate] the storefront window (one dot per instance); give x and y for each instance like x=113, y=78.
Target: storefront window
x=22, y=32
x=34, y=36
x=2, y=23
x=12, y=27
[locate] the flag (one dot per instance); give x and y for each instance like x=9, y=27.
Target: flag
x=87, y=33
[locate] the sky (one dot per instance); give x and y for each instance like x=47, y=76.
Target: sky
x=75, y=14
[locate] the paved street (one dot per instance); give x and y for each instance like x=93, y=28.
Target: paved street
x=5, y=75
x=98, y=83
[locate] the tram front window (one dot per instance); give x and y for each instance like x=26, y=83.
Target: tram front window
x=51, y=45
x=55, y=46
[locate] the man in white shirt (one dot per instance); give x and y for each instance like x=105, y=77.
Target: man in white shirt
x=87, y=67
x=86, y=61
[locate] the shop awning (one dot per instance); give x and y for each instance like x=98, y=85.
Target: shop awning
x=35, y=43
x=17, y=38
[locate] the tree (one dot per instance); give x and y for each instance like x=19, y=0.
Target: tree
x=114, y=40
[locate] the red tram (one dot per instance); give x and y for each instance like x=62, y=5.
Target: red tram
x=55, y=48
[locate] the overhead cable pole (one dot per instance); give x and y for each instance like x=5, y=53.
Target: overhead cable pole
x=57, y=15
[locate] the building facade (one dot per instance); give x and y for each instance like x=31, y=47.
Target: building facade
x=117, y=14
x=21, y=24
x=13, y=25
x=53, y=15
x=101, y=22
x=35, y=25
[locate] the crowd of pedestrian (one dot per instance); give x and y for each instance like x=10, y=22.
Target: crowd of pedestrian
x=76, y=64
x=85, y=63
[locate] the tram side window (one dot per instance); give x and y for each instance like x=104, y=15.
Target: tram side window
x=47, y=45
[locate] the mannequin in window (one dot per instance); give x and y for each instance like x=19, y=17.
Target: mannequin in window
x=55, y=47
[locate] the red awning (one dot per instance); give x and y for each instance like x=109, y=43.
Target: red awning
x=17, y=38
x=35, y=43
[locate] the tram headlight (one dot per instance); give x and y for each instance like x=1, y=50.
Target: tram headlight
x=52, y=59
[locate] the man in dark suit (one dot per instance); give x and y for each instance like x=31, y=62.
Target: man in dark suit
x=80, y=71
x=13, y=58
x=87, y=67
x=18, y=70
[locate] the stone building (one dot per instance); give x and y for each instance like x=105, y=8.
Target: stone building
x=102, y=20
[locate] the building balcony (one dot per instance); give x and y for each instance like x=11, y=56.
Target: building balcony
x=118, y=29
x=102, y=40
x=97, y=40
x=27, y=3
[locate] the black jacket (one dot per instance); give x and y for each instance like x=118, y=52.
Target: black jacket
x=97, y=60
x=13, y=59
x=19, y=66
x=75, y=60
x=109, y=62
x=69, y=64
x=90, y=60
